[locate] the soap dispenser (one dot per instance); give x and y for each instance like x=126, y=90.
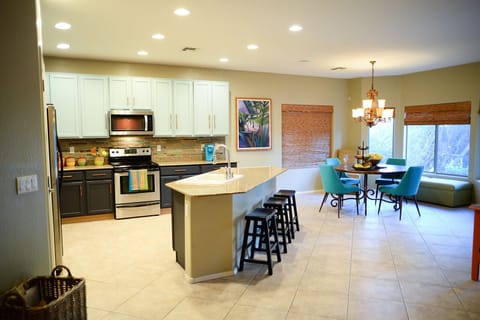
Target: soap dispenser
x=209, y=152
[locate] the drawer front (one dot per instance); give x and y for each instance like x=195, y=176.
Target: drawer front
x=179, y=170
x=72, y=176
x=99, y=174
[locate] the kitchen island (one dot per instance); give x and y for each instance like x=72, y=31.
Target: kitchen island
x=208, y=218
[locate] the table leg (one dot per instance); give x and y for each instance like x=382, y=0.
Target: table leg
x=476, y=245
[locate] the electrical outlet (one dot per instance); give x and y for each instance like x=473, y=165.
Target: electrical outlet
x=202, y=147
x=27, y=184
x=159, y=148
x=72, y=149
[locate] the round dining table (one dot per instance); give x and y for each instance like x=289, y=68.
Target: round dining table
x=379, y=169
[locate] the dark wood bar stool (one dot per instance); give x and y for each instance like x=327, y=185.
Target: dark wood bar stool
x=292, y=202
x=262, y=232
x=280, y=205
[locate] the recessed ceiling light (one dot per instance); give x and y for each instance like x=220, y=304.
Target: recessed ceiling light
x=158, y=36
x=223, y=59
x=63, y=46
x=295, y=28
x=142, y=53
x=182, y=12
x=252, y=47
x=63, y=25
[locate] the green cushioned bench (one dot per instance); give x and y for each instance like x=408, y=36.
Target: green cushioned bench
x=446, y=192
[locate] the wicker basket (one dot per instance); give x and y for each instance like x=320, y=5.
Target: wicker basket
x=46, y=298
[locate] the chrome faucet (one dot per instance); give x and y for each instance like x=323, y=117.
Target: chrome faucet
x=228, y=172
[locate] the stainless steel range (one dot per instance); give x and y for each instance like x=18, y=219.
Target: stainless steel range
x=137, y=182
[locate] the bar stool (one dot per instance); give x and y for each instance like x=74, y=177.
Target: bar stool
x=265, y=229
x=292, y=202
x=280, y=205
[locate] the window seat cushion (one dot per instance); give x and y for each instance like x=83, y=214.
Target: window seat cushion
x=447, y=192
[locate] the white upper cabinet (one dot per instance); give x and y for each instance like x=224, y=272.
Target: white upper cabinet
x=182, y=116
x=81, y=102
x=130, y=93
x=64, y=96
x=93, y=93
x=162, y=107
x=211, y=108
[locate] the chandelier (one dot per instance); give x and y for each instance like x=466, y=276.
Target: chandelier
x=373, y=109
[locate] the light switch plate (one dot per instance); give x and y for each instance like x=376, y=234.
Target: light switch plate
x=27, y=184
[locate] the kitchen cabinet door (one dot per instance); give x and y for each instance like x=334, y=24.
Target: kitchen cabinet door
x=99, y=196
x=202, y=103
x=211, y=106
x=141, y=93
x=64, y=96
x=163, y=107
x=220, y=108
x=183, y=107
x=93, y=92
x=130, y=93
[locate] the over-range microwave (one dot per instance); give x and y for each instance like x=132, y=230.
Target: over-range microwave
x=132, y=122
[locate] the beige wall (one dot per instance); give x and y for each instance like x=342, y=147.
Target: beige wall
x=24, y=233
x=444, y=85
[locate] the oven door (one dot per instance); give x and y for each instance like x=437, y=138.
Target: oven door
x=124, y=196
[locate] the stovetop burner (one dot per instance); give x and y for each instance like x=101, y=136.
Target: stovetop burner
x=123, y=159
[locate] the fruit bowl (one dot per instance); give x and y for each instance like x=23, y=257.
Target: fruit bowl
x=374, y=162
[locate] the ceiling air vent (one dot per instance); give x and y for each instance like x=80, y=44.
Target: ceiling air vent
x=189, y=49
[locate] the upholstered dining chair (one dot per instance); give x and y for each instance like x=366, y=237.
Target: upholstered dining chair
x=390, y=178
x=332, y=185
x=343, y=177
x=408, y=187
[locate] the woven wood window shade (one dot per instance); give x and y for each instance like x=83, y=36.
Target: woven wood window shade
x=306, y=135
x=444, y=113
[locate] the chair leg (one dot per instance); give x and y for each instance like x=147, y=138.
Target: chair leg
x=400, y=200
x=416, y=204
x=340, y=200
x=323, y=201
x=376, y=194
x=357, y=198
x=380, y=203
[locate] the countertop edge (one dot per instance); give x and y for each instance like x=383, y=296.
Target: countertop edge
x=227, y=188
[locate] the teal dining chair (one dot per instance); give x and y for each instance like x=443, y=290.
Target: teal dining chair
x=343, y=177
x=408, y=187
x=333, y=186
x=390, y=178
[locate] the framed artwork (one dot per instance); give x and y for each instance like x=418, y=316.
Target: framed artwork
x=254, y=123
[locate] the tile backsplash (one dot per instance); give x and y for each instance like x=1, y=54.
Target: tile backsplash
x=172, y=149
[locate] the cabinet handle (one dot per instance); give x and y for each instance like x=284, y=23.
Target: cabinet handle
x=67, y=177
x=180, y=170
x=110, y=188
x=81, y=192
x=176, y=121
x=209, y=116
x=99, y=174
x=170, y=121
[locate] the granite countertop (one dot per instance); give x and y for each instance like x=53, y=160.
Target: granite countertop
x=245, y=180
x=190, y=162
x=88, y=167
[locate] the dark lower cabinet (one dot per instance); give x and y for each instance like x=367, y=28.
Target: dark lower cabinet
x=86, y=192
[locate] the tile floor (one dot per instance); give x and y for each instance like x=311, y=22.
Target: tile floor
x=355, y=267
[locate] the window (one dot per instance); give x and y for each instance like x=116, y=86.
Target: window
x=438, y=137
x=380, y=139
x=442, y=149
x=306, y=135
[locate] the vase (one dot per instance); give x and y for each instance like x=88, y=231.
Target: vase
x=99, y=161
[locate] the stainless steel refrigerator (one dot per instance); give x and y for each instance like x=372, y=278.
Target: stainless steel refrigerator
x=54, y=181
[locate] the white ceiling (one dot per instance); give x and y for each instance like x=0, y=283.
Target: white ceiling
x=403, y=36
